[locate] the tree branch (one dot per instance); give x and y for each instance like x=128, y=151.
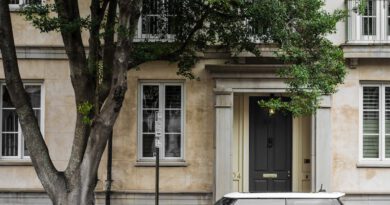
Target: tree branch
x=129, y=12
x=81, y=80
x=39, y=153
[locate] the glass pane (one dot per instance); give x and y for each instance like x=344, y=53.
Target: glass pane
x=312, y=202
x=387, y=148
x=9, y=145
x=173, y=96
x=172, y=145
x=33, y=1
x=370, y=122
x=14, y=2
x=7, y=103
x=25, y=151
x=226, y=201
x=371, y=98
x=10, y=121
x=260, y=201
x=38, y=116
x=173, y=121
x=147, y=145
x=370, y=146
x=34, y=92
x=148, y=118
x=387, y=98
x=150, y=96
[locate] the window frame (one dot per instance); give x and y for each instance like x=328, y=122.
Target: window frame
x=151, y=37
x=21, y=145
x=18, y=7
x=381, y=160
x=161, y=84
x=355, y=23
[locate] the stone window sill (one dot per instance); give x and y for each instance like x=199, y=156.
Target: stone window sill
x=376, y=164
x=162, y=164
x=22, y=162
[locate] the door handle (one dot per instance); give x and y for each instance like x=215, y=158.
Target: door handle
x=270, y=142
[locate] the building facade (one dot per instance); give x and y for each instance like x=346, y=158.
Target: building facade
x=216, y=139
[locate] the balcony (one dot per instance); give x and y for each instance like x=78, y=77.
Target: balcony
x=368, y=31
x=371, y=26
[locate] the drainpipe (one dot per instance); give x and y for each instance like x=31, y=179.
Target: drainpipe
x=109, y=170
x=313, y=153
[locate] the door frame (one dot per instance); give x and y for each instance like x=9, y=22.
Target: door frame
x=241, y=135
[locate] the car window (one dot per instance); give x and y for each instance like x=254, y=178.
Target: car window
x=260, y=202
x=225, y=201
x=312, y=202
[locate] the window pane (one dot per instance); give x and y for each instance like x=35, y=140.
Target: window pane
x=9, y=145
x=370, y=122
x=172, y=145
x=34, y=92
x=25, y=151
x=6, y=98
x=260, y=201
x=172, y=96
x=173, y=121
x=370, y=146
x=14, y=2
x=33, y=1
x=38, y=116
x=369, y=19
x=371, y=98
x=387, y=95
x=10, y=121
x=311, y=202
x=147, y=145
x=387, y=144
x=150, y=96
x=148, y=118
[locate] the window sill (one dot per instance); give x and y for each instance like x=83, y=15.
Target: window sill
x=376, y=164
x=162, y=164
x=21, y=162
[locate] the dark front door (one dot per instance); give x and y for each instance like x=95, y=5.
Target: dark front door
x=269, y=149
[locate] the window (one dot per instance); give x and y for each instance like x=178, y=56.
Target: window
x=166, y=98
x=17, y=4
x=12, y=141
x=157, y=19
x=370, y=26
x=369, y=19
x=375, y=116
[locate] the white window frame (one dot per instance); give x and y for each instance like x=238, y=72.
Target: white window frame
x=150, y=37
x=381, y=160
x=20, y=136
x=17, y=7
x=161, y=109
x=355, y=23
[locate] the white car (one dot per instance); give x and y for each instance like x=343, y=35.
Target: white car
x=320, y=198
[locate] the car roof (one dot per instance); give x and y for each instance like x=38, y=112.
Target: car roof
x=290, y=195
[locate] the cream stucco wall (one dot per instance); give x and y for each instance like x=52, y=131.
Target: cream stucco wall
x=346, y=176
x=26, y=35
x=197, y=176
x=339, y=37
x=59, y=117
